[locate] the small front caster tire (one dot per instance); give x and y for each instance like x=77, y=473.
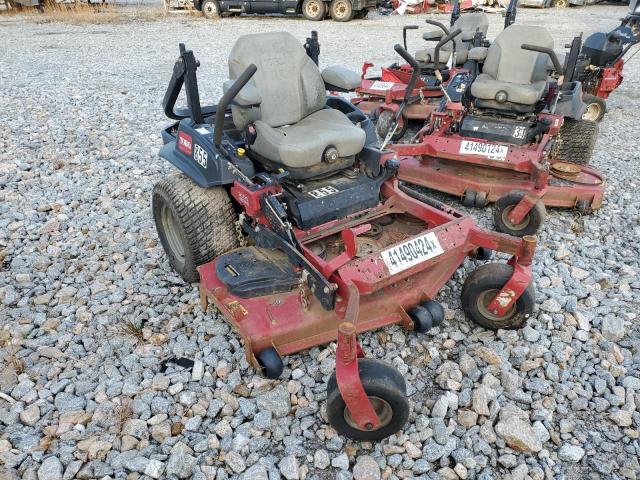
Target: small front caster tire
x=529, y=225
x=596, y=108
x=385, y=123
x=482, y=286
x=270, y=362
x=427, y=315
x=387, y=392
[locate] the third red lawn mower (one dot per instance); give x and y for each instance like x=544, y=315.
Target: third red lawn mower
x=300, y=232
x=381, y=96
x=514, y=138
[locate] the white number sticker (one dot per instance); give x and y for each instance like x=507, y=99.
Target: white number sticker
x=200, y=155
x=412, y=252
x=520, y=132
x=489, y=150
x=377, y=85
x=323, y=192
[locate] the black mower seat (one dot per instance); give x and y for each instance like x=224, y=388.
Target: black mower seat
x=288, y=96
x=470, y=24
x=513, y=78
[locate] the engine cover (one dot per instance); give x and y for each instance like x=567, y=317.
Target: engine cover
x=515, y=132
x=602, y=48
x=320, y=201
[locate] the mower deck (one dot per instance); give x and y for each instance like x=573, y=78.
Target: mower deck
x=416, y=249
x=565, y=186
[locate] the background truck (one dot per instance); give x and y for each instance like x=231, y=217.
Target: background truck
x=339, y=10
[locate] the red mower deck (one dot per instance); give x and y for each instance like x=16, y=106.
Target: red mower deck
x=384, y=292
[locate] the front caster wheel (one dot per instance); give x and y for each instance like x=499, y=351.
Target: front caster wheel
x=427, y=315
x=596, y=108
x=385, y=123
x=531, y=222
x=481, y=287
x=387, y=393
x=270, y=362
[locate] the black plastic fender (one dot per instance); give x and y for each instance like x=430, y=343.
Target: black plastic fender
x=570, y=104
x=190, y=148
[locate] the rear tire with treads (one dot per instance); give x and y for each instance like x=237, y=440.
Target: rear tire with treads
x=194, y=224
x=576, y=141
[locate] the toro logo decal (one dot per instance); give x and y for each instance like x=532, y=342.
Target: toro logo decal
x=200, y=155
x=185, y=143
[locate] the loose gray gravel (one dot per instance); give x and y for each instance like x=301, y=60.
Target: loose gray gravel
x=89, y=307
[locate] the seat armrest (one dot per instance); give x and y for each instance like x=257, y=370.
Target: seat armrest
x=433, y=35
x=247, y=97
x=478, y=53
x=341, y=78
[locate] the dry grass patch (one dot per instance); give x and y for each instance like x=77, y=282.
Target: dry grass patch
x=123, y=412
x=81, y=13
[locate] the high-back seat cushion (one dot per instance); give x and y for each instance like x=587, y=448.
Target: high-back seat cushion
x=469, y=23
x=521, y=74
x=292, y=126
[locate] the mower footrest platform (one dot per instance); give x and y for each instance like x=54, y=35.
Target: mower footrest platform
x=253, y=272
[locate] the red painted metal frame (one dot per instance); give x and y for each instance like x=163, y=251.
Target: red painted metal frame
x=436, y=162
x=281, y=321
x=368, y=296
x=610, y=79
x=371, y=100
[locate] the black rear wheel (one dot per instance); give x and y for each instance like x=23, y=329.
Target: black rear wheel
x=481, y=287
x=194, y=224
x=387, y=393
x=576, y=141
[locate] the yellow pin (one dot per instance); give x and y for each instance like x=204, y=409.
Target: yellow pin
x=240, y=152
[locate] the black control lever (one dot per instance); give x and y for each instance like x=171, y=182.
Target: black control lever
x=404, y=33
x=436, y=61
x=229, y=95
x=557, y=66
x=439, y=25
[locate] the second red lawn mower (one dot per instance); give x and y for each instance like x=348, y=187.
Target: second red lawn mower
x=381, y=96
x=514, y=138
x=300, y=232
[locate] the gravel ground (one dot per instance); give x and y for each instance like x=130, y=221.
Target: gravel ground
x=90, y=308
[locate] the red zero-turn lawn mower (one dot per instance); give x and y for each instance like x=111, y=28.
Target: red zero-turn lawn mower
x=514, y=138
x=599, y=61
x=382, y=96
x=302, y=234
